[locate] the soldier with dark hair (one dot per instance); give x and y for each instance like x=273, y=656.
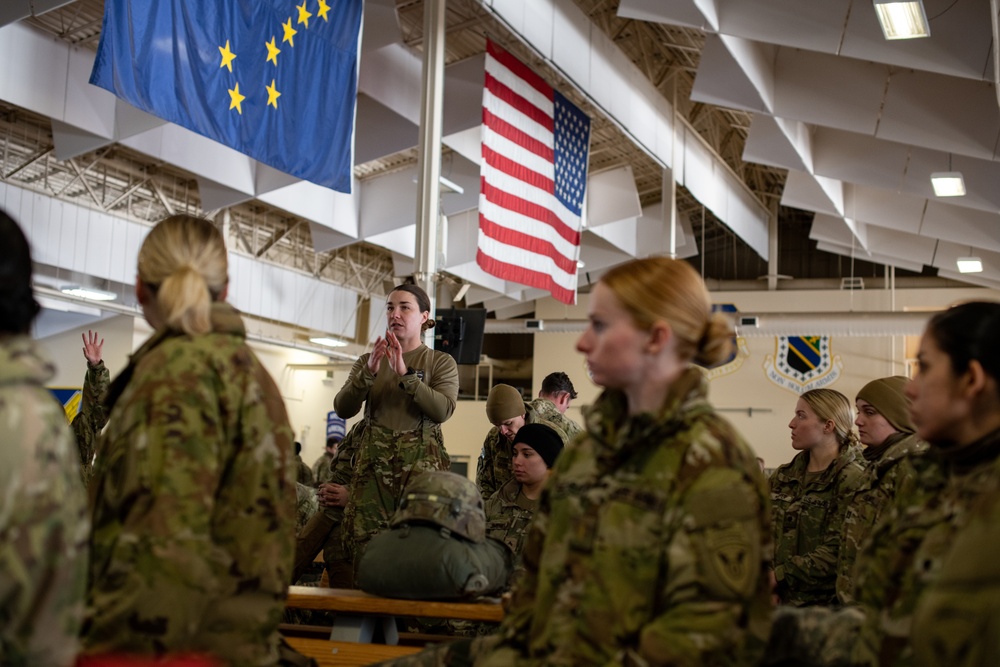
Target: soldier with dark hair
x=407, y=391
x=508, y=412
x=558, y=389
x=93, y=416
x=43, y=507
x=509, y=511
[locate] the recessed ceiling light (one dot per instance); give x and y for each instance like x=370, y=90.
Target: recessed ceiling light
x=902, y=20
x=969, y=265
x=948, y=183
x=91, y=293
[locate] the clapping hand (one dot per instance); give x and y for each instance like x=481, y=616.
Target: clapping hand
x=394, y=353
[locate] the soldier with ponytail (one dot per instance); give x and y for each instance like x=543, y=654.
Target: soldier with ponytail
x=193, y=495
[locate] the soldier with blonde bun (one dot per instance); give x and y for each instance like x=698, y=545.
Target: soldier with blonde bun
x=651, y=543
x=194, y=484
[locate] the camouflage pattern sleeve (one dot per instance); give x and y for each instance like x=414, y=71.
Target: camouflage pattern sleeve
x=957, y=622
x=351, y=397
x=194, y=507
x=92, y=416
x=43, y=520
x=485, y=476
x=717, y=568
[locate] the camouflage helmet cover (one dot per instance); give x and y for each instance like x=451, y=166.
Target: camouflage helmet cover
x=444, y=499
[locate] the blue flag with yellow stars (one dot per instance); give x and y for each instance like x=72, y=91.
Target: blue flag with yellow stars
x=274, y=79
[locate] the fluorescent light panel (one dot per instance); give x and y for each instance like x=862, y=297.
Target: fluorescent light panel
x=969, y=265
x=902, y=20
x=90, y=293
x=329, y=342
x=948, y=183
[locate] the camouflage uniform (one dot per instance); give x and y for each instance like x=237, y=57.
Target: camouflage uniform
x=957, y=622
x=193, y=502
x=323, y=532
x=807, y=512
x=508, y=515
x=651, y=545
x=910, y=548
x=494, y=467
x=306, y=504
x=303, y=473
x=43, y=516
x=872, y=498
x=92, y=417
x=322, y=469
x=399, y=436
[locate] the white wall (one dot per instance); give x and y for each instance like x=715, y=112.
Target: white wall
x=766, y=426
x=66, y=349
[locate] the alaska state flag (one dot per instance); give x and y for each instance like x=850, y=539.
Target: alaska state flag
x=273, y=79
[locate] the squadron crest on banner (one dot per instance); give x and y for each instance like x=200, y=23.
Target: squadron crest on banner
x=801, y=363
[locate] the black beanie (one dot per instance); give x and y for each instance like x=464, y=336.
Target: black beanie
x=543, y=439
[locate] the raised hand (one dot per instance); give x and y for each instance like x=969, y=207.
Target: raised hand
x=91, y=348
x=378, y=353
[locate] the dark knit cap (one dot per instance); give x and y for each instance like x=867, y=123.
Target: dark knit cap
x=886, y=396
x=503, y=403
x=543, y=439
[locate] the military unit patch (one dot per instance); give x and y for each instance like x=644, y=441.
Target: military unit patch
x=801, y=363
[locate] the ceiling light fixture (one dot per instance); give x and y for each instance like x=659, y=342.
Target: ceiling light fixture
x=329, y=342
x=89, y=293
x=969, y=265
x=902, y=20
x=948, y=183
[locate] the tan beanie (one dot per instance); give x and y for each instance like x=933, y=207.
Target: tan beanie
x=503, y=403
x=886, y=396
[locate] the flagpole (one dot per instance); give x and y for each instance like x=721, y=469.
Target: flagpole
x=429, y=152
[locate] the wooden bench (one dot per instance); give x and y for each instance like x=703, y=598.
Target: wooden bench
x=347, y=654
x=358, y=612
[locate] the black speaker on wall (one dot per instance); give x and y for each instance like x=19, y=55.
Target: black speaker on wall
x=459, y=332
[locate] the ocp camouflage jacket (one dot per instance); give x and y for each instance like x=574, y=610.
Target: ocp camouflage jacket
x=807, y=516
x=651, y=545
x=193, y=502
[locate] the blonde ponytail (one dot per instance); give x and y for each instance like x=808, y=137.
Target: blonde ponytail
x=183, y=262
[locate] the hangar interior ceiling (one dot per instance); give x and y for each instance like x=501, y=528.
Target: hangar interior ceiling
x=829, y=127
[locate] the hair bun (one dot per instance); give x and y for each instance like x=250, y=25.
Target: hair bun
x=716, y=343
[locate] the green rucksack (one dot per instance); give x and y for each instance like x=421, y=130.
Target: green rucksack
x=436, y=547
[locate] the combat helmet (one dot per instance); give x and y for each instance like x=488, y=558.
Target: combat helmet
x=444, y=499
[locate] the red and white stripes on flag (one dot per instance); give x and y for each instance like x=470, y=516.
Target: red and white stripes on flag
x=533, y=178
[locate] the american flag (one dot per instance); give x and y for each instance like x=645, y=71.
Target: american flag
x=533, y=178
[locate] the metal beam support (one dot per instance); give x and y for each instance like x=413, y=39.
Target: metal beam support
x=429, y=150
